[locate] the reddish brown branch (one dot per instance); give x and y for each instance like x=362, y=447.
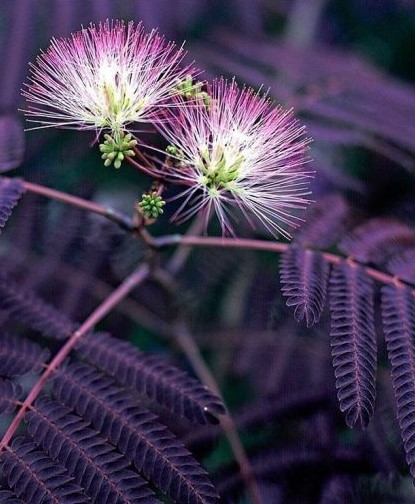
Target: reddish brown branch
x=251, y=244
x=123, y=220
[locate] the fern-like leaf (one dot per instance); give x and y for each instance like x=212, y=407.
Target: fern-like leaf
x=9, y=394
x=96, y=466
x=151, y=376
x=32, y=311
x=11, y=191
x=353, y=342
x=19, y=356
x=153, y=450
x=36, y=478
x=377, y=239
x=398, y=316
x=304, y=275
x=325, y=221
x=8, y=497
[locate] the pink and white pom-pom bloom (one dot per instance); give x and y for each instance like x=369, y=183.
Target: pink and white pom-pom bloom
x=240, y=152
x=103, y=77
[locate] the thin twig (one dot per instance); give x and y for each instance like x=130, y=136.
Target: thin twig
x=147, y=171
x=252, y=244
x=217, y=241
x=96, y=316
x=129, y=224
x=187, y=344
x=122, y=220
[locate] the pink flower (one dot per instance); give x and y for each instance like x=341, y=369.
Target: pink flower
x=103, y=77
x=240, y=152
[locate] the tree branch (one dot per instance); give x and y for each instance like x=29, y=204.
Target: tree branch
x=122, y=220
x=252, y=244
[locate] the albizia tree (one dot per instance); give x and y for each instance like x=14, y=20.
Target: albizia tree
x=231, y=152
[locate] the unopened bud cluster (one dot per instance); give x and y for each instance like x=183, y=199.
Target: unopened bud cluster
x=151, y=205
x=192, y=90
x=176, y=156
x=115, y=150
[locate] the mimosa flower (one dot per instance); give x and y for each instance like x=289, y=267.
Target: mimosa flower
x=241, y=152
x=103, y=77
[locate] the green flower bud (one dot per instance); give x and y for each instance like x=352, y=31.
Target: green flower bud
x=116, y=148
x=151, y=205
x=172, y=150
x=192, y=90
x=177, y=154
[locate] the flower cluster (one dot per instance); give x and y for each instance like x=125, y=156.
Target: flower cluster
x=230, y=147
x=104, y=77
x=241, y=152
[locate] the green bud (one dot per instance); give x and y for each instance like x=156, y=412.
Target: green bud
x=115, y=149
x=151, y=205
x=171, y=149
x=192, y=90
x=206, y=98
x=177, y=154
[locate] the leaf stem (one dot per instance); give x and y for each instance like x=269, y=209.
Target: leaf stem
x=130, y=283
x=130, y=224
